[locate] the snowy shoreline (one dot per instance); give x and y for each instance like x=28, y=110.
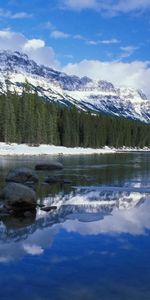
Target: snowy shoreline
x=26, y=150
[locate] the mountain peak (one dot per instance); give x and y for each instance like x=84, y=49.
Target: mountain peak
x=84, y=93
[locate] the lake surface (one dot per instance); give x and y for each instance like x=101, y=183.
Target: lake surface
x=95, y=245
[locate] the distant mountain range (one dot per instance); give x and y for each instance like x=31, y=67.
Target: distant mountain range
x=97, y=96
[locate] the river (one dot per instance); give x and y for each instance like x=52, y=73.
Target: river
x=95, y=245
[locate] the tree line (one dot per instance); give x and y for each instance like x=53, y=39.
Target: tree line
x=27, y=118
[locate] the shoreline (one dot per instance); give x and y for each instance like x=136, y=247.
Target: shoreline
x=51, y=150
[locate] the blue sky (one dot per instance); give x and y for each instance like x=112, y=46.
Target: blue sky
x=93, y=37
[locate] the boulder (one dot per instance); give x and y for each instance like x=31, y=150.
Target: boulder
x=18, y=197
x=22, y=175
x=49, y=166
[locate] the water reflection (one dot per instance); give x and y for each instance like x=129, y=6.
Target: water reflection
x=86, y=211
x=96, y=245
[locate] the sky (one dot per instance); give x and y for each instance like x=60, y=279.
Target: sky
x=102, y=39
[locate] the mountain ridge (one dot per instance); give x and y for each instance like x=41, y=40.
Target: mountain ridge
x=97, y=96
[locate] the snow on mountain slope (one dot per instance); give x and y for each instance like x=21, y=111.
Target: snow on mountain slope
x=84, y=93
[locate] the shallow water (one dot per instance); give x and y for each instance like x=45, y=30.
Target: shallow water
x=96, y=245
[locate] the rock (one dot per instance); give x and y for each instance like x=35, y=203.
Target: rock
x=40, y=205
x=66, y=181
x=49, y=166
x=49, y=208
x=51, y=180
x=30, y=184
x=22, y=175
x=54, y=180
x=19, y=197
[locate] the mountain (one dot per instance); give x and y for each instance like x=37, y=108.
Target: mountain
x=84, y=93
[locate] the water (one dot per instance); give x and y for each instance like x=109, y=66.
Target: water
x=96, y=245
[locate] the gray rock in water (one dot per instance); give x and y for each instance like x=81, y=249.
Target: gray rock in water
x=49, y=208
x=19, y=197
x=66, y=181
x=22, y=175
x=49, y=166
x=51, y=180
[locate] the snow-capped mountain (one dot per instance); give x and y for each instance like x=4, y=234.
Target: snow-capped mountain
x=84, y=93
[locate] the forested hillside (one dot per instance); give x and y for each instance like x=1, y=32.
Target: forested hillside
x=98, y=96
x=29, y=119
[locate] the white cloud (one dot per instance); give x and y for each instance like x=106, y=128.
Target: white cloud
x=127, y=51
x=134, y=221
x=56, y=34
x=5, y=259
x=131, y=5
x=34, y=48
x=104, y=42
x=34, y=44
x=4, y=13
x=78, y=4
x=8, y=14
x=11, y=40
x=79, y=37
x=33, y=249
x=111, y=7
x=96, y=42
x=135, y=74
x=111, y=41
x=5, y=34
x=21, y=15
x=48, y=25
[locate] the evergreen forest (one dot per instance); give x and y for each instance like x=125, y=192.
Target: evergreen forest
x=27, y=118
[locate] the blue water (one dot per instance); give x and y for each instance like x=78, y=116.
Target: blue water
x=96, y=245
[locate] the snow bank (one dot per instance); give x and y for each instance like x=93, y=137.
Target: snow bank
x=23, y=149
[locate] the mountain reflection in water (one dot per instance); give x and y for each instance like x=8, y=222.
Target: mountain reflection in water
x=95, y=245
x=86, y=211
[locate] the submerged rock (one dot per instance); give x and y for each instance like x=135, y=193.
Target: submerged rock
x=49, y=208
x=49, y=166
x=22, y=175
x=40, y=205
x=66, y=181
x=19, y=197
x=54, y=180
x=51, y=180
